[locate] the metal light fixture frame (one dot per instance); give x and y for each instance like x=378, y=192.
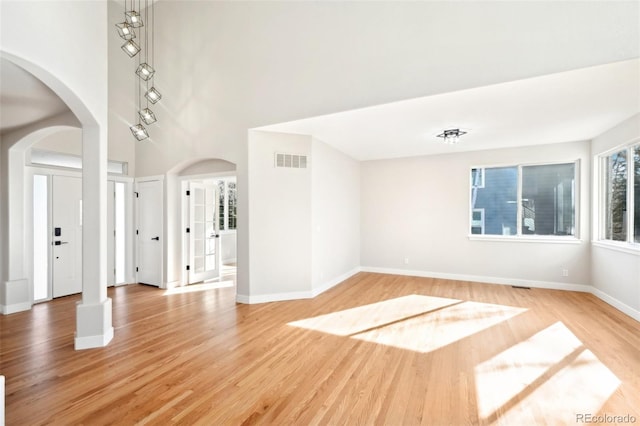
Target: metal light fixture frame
x=144, y=70
x=451, y=136
x=125, y=31
x=131, y=48
x=139, y=132
x=134, y=19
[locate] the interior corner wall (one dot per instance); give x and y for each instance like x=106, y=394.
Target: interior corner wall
x=415, y=220
x=615, y=273
x=335, y=217
x=279, y=219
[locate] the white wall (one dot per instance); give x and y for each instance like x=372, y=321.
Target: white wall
x=615, y=273
x=68, y=141
x=418, y=209
x=75, y=68
x=233, y=66
x=209, y=166
x=280, y=219
x=335, y=217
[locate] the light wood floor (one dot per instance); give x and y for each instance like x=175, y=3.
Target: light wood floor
x=377, y=349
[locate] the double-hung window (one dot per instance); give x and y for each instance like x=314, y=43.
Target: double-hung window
x=620, y=195
x=524, y=200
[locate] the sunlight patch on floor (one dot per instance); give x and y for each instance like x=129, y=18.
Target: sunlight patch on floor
x=192, y=288
x=547, y=378
x=418, y=323
x=426, y=333
x=362, y=318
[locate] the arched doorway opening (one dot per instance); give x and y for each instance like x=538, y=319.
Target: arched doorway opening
x=94, y=326
x=203, y=208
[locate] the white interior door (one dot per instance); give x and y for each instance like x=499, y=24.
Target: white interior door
x=204, y=236
x=67, y=235
x=149, y=221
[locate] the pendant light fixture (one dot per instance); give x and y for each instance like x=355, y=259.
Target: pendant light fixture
x=144, y=70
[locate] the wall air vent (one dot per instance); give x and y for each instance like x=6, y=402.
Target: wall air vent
x=290, y=161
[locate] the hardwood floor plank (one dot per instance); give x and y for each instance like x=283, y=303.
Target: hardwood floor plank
x=200, y=358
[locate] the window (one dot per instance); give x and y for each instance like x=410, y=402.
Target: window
x=621, y=195
x=524, y=200
x=70, y=161
x=227, y=204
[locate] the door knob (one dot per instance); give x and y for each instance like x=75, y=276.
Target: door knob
x=156, y=238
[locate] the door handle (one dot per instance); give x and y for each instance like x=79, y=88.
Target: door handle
x=57, y=243
x=156, y=238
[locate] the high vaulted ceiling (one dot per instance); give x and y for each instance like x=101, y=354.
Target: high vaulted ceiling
x=562, y=107
x=511, y=73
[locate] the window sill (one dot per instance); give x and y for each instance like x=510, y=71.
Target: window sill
x=526, y=239
x=630, y=248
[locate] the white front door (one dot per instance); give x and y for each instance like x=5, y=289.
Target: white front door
x=204, y=238
x=150, y=236
x=67, y=235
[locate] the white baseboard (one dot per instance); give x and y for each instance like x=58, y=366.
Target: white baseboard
x=551, y=285
x=622, y=307
x=172, y=284
x=334, y=282
x=482, y=279
x=295, y=295
x=273, y=297
x=90, y=342
x=16, y=307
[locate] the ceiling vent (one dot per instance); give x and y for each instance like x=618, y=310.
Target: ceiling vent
x=290, y=161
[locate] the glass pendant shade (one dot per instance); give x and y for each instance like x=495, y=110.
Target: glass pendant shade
x=147, y=116
x=133, y=18
x=131, y=48
x=145, y=71
x=153, y=95
x=139, y=132
x=125, y=31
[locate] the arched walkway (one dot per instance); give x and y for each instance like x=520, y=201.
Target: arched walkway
x=94, y=327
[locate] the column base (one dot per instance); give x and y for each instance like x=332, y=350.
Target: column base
x=94, y=327
x=17, y=297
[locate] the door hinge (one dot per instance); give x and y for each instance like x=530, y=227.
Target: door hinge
x=188, y=230
x=187, y=267
x=136, y=232
x=136, y=269
x=188, y=193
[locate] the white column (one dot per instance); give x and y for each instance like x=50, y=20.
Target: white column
x=16, y=289
x=93, y=314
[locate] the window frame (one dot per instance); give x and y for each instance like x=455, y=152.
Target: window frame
x=519, y=236
x=601, y=163
x=226, y=180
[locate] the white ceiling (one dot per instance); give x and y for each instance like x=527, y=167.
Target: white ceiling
x=563, y=107
x=24, y=99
